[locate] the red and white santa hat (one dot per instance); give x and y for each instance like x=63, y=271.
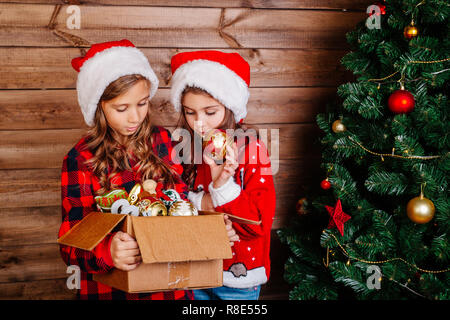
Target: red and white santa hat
x=225, y=76
x=103, y=64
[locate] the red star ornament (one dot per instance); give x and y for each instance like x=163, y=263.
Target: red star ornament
x=337, y=217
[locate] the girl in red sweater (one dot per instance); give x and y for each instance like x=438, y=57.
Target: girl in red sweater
x=210, y=88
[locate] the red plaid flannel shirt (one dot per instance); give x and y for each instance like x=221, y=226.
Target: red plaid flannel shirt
x=78, y=186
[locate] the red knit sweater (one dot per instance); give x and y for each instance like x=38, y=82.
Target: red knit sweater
x=249, y=194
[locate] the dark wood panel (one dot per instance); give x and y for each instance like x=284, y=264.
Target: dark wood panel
x=29, y=226
x=58, y=109
x=175, y=27
x=28, y=68
x=52, y=289
x=27, y=149
x=28, y=188
x=280, y=4
x=27, y=263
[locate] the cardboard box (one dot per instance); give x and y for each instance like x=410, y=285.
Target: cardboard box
x=177, y=252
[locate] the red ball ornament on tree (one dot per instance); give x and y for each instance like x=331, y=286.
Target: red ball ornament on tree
x=382, y=8
x=401, y=101
x=325, y=184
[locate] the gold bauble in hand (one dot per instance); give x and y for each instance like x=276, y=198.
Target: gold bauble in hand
x=215, y=143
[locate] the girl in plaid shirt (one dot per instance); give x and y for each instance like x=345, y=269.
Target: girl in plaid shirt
x=115, y=84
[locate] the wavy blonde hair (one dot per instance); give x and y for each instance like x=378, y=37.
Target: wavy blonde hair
x=111, y=157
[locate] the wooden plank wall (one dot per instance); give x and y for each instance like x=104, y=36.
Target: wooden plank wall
x=293, y=47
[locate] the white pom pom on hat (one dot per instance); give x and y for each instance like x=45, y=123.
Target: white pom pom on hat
x=103, y=64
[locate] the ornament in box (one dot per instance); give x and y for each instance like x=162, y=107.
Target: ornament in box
x=151, y=204
x=122, y=206
x=149, y=208
x=147, y=199
x=172, y=196
x=133, y=197
x=183, y=208
x=105, y=201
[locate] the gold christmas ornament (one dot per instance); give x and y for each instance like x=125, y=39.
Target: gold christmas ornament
x=410, y=31
x=420, y=209
x=156, y=208
x=183, y=208
x=338, y=126
x=143, y=206
x=133, y=197
x=215, y=143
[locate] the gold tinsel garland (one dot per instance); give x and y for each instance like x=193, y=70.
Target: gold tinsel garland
x=409, y=62
x=382, y=155
x=379, y=261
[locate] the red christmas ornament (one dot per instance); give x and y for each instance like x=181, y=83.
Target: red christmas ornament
x=401, y=101
x=382, y=8
x=325, y=184
x=337, y=217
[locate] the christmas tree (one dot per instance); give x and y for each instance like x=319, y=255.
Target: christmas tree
x=378, y=226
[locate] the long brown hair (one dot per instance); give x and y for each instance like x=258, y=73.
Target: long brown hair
x=228, y=122
x=111, y=157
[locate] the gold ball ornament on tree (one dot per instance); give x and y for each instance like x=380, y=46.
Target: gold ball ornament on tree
x=410, y=31
x=420, y=209
x=338, y=126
